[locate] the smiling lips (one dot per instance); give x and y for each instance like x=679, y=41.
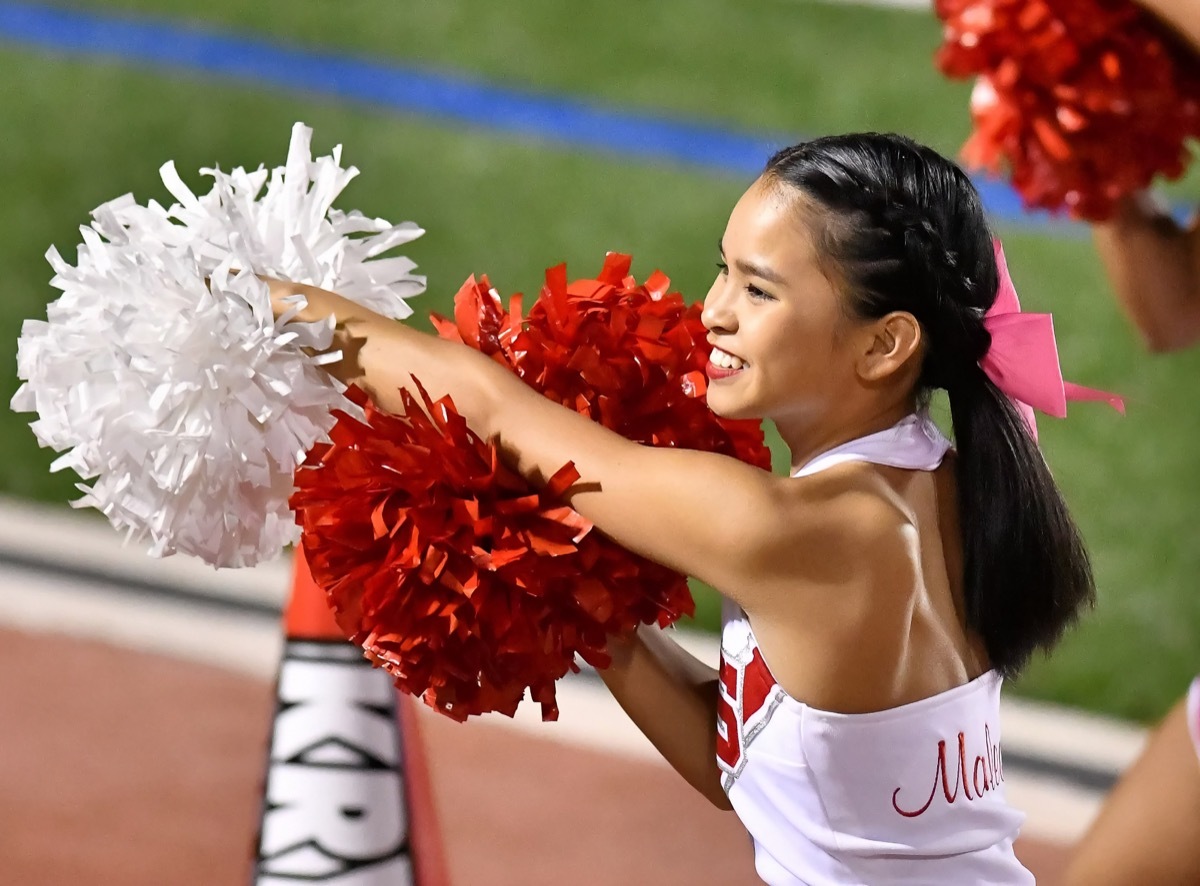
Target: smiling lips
x=723, y=365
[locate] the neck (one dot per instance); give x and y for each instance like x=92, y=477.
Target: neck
x=806, y=440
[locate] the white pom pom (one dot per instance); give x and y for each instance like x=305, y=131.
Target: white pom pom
x=290, y=232
x=162, y=374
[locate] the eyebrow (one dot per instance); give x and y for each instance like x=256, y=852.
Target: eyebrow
x=751, y=269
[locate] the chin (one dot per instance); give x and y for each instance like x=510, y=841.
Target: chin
x=728, y=407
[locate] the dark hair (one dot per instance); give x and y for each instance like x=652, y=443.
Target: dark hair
x=902, y=228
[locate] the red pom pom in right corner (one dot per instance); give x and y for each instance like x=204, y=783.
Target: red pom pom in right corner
x=1084, y=101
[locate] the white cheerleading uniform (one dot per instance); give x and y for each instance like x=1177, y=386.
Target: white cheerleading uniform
x=912, y=795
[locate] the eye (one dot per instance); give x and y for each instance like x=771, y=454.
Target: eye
x=722, y=268
x=757, y=294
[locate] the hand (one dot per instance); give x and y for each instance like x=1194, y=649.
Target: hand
x=279, y=289
x=283, y=292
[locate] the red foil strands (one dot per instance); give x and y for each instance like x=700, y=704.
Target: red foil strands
x=446, y=567
x=1085, y=101
x=631, y=357
x=454, y=574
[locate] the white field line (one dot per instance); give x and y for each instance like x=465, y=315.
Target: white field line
x=83, y=539
x=38, y=603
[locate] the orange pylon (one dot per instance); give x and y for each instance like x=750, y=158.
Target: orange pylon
x=347, y=799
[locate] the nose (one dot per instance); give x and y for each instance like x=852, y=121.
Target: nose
x=718, y=315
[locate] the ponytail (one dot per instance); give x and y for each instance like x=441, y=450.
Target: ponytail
x=1026, y=571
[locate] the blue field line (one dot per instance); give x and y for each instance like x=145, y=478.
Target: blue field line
x=439, y=95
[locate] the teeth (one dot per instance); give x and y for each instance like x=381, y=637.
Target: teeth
x=726, y=361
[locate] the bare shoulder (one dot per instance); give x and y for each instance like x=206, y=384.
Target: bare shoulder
x=771, y=543
x=845, y=525
x=855, y=500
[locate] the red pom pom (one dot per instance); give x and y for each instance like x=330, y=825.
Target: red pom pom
x=446, y=567
x=1086, y=101
x=455, y=575
x=628, y=356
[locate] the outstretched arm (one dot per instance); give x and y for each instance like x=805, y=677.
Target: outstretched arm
x=650, y=500
x=1153, y=264
x=695, y=512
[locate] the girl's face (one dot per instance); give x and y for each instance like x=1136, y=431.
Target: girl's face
x=783, y=345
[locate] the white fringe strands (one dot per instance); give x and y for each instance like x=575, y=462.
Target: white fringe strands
x=161, y=374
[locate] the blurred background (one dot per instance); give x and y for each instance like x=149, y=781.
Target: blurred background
x=698, y=92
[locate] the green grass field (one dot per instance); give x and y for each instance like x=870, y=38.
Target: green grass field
x=79, y=132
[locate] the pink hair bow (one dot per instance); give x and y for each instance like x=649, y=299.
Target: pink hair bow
x=1023, y=358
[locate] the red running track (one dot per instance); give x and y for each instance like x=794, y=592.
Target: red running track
x=131, y=769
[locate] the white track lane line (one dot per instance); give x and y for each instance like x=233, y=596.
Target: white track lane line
x=39, y=603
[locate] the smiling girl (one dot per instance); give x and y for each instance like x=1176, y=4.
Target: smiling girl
x=879, y=594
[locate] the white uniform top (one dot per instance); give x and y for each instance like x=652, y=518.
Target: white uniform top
x=911, y=795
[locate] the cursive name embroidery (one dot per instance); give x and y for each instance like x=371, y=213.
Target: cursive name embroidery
x=984, y=774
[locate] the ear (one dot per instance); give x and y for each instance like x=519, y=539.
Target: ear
x=891, y=343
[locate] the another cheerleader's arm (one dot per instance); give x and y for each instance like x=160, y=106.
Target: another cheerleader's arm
x=1153, y=264
x=1182, y=15
x=1148, y=830
x=698, y=513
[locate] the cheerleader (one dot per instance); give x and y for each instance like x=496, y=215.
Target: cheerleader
x=879, y=595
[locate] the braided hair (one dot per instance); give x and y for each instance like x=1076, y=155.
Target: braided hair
x=898, y=227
